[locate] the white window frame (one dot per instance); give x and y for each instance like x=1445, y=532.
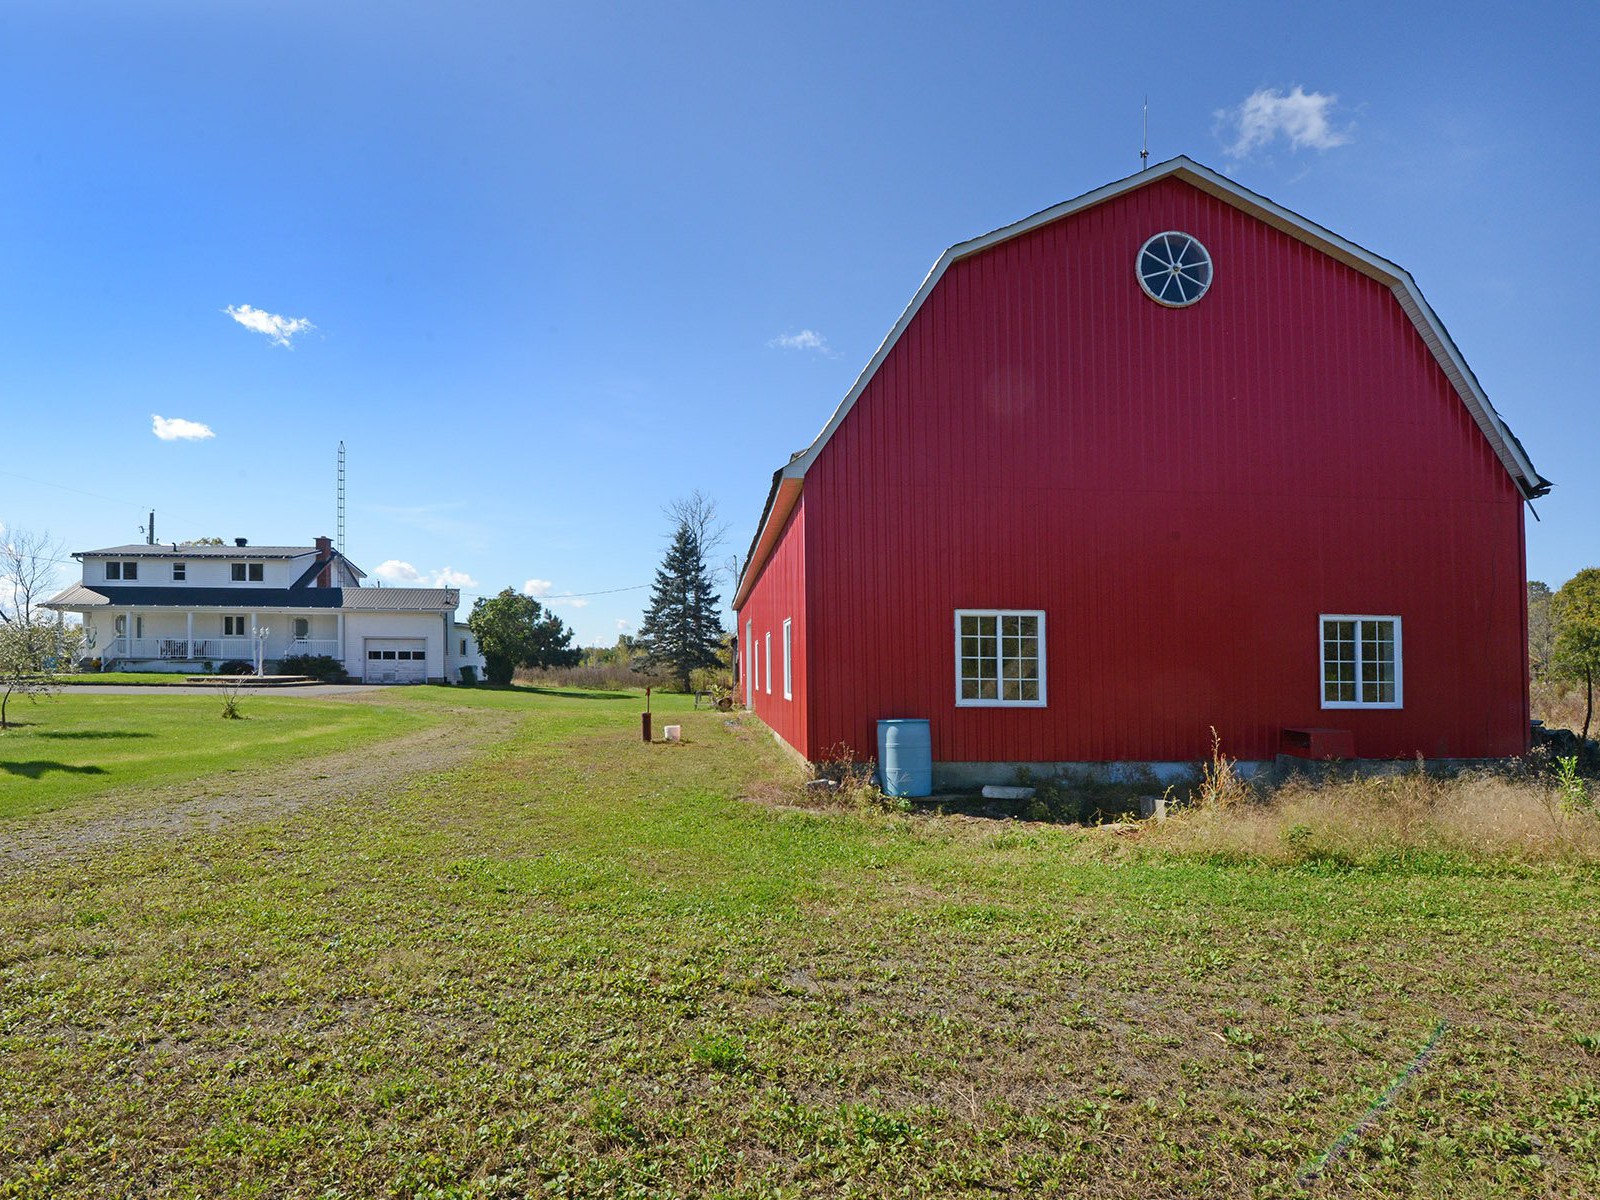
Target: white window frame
x=769, y=662
x=1322, y=662
x=180, y=572
x=752, y=684
x=788, y=652
x=998, y=613
x=230, y=623
x=123, y=569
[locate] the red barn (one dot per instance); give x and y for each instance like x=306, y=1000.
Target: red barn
x=1163, y=458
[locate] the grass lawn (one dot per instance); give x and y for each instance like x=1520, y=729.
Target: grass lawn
x=152, y=678
x=581, y=966
x=73, y=746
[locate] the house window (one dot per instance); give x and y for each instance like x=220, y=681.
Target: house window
x=769, y=662
x=233, y=627
x=463, y=647
x=122, y=626
x=122, y=570
x=302, y=627
x=1361, y=664
x=248, y=572
x=749, y=664
x=1000, y=658
x=180, y=572
x=788, y=646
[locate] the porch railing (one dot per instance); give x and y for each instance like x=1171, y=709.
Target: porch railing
x=211, y=649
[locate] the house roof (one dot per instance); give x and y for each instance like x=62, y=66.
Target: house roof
x=171, y=550
x=80, y=596
x=787, y=480
x=408, y=599
x=189, y=553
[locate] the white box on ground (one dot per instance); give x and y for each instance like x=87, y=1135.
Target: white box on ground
x=994, y=791
x=673, y=733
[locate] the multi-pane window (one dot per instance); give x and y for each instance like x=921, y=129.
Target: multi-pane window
x=248, y=572
x=769, y=662
x=233, y=627
x=122, y=570
x=1000, y=657
x=180, y=572
x=1361, y=666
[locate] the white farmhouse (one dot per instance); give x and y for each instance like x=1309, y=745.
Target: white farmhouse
x=166, y=607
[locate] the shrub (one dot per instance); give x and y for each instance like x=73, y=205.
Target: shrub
x=318, y=666
x=236, y=666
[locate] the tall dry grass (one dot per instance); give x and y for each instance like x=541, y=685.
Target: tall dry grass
x=1558, y=705
x=1478, y=814
x=612, y=677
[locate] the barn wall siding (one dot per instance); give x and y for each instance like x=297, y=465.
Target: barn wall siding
x=1183, y=491
x=779, y=593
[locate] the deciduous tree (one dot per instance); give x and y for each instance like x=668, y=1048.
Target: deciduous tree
x=514, y=631
x=37, y=647
x=1577, y=635
x=1541, y=628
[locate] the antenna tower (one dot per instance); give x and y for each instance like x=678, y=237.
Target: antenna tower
x=338, y=541
x=1144, y=143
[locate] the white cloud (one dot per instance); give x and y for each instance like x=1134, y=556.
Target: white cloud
x=622, y=624
x=537, y=587
x=395, y=571
x=569, y=601
x=1301, y=118
x=279, y=329
x=806, y=339
x=176, y=429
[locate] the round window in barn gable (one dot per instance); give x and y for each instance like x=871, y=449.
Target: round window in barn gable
x=1174, y=269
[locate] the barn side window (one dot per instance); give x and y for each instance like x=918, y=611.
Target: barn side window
x=1000, y=658
x=788, y=655
x=1361, y=662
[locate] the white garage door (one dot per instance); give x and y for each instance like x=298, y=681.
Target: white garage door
x=396, y=660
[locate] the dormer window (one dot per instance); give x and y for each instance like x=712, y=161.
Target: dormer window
x=180, y=572
x=248, y=572
x=122, y=570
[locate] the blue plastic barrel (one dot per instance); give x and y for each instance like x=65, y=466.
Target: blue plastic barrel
x=905, y=757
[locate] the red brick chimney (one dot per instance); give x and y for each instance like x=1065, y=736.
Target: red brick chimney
x=325, y=557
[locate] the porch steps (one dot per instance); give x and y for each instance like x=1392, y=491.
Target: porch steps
x=255, y=681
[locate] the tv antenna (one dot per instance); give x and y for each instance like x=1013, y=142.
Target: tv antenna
x=338, y=541
x=1144, y=142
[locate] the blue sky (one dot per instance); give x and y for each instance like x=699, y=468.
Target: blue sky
x=561, y=263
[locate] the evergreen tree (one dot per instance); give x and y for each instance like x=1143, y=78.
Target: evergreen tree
x=682, y=630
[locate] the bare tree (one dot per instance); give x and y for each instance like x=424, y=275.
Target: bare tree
x=30, y=564
x=697, y=512
x=36, y=645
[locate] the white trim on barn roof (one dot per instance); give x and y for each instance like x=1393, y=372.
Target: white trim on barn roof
x=1501, y=440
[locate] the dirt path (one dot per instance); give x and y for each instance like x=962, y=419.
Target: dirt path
x=211, y=802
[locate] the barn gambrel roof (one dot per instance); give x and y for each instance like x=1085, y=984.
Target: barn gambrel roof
x=787, y=480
